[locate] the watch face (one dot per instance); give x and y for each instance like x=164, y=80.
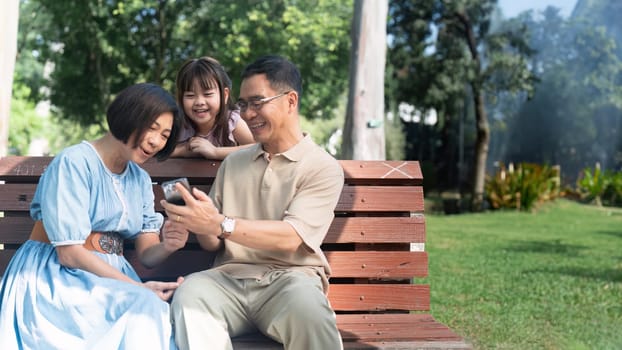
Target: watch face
x=228, y=225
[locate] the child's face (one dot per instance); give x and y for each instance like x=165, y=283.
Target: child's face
x=202, y=106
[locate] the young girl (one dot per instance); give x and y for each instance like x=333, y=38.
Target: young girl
x=212, y=125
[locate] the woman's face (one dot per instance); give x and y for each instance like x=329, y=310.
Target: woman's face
x=154, y=139
x=202, y=106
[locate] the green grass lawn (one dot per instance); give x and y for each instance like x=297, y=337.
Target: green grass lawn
x=545, y=280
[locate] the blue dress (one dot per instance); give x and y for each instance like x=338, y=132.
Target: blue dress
x=45, y=305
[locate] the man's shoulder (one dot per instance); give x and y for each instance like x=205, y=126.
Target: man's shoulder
x=243, y=155
x=309, y=149
x=247, y=152
x=318, y=152
x=322, y=161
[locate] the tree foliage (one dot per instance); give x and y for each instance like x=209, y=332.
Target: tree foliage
x=97, y=48
x=314, y=34
x=575, y=116
x=25, y=124
x=447, y=52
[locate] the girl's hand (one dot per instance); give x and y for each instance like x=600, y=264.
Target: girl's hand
x=203, y=147
x=164, y=290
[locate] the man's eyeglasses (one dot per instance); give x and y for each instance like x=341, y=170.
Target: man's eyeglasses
x=256, y=104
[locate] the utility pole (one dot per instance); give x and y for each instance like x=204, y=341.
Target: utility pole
x=363, y=132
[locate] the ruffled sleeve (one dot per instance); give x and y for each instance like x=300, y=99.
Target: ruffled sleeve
x=152, y=221
x=62, y=200
x=234, y=119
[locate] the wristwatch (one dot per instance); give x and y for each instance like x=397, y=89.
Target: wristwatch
x=226, y=227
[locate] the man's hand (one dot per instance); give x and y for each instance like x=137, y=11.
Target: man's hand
x=198, y=216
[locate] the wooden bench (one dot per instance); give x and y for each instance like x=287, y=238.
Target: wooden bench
x=375, y=247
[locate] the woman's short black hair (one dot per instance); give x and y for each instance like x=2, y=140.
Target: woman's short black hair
x=136, y=108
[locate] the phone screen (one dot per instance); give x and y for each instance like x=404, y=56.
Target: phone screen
x=170, y=192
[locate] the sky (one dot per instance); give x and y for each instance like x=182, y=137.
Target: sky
x=511, y=8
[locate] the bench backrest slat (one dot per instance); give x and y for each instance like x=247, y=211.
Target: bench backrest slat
x=379, y=297
x=16, y=229
x=28, y=169
x=355, y=199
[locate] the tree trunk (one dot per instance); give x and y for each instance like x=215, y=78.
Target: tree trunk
x=483, y=131
x=8, y=46
x=363, y=134
x=481, y=151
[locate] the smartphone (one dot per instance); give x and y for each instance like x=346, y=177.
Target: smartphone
x=170, y=192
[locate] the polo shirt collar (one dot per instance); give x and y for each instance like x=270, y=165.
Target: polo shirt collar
x=294, y=154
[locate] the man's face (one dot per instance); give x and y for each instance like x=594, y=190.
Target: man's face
x=269, y=120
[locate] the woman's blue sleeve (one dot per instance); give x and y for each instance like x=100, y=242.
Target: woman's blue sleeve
x=62, y=201
x=152, y=221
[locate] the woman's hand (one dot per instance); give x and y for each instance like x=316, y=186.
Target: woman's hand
x=164, y=290
x=174, y=236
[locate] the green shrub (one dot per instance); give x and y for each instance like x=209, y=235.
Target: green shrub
x=591, y=185
x=524, y=187
x=613, y=192
x=600, y=187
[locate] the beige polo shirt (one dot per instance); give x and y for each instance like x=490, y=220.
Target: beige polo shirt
x=300, y=186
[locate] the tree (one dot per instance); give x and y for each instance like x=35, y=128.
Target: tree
x=8, y=47
x=99, y=47
x=313, y=34
x=364, y=124
x=464, y=51
x=575, y=116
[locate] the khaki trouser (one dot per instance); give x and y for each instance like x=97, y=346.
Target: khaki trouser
x=288, y=306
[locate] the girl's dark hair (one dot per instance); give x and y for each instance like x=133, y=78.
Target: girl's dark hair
x=136, y=108
x=281, y=73
x=210, y=74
